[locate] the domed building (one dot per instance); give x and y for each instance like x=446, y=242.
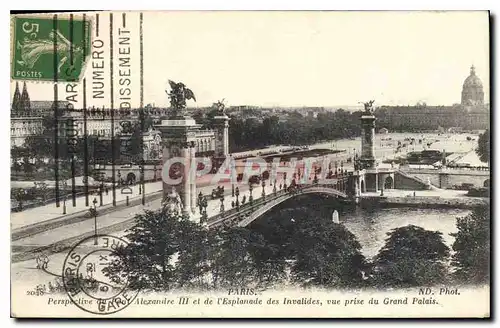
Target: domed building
x=472, y=90
x=471, y=114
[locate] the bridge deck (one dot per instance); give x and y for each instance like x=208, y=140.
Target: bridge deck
x=248, y=212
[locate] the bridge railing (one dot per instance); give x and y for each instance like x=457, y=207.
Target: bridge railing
x=238, y=213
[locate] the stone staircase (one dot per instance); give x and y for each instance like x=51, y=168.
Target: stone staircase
x=403, y=180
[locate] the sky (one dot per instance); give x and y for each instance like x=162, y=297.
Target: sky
x=304, y=58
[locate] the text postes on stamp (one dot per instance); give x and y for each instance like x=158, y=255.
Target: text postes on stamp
x=49, y=48
x=87, y=280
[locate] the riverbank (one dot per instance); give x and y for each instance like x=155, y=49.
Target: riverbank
x=422, y=201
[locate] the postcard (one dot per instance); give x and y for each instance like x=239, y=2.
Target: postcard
x=250, y=164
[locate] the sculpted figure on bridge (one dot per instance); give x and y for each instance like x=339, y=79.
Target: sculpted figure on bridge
x=173, y=201
x=178, y=96
x=220, y=107
x=368, y=106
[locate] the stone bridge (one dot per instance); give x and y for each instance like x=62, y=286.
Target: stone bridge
x=250, y=211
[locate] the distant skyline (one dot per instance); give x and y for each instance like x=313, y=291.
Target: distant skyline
x=317, y=59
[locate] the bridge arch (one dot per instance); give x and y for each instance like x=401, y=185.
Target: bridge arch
x=325, y=190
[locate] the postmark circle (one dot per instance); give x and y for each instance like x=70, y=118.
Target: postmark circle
x=85, y=281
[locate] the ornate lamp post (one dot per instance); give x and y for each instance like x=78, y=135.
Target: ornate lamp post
x=250, y=198
x=93, y=211
x=204, y=215
x=222, y=205
x=237, y=194
x=232, y=190
x=141, y=177
x=65, y=185
x=263, y=190
x=199, y=202
x=101, y=187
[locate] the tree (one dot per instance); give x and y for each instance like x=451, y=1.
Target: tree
x=148, y=261
x=327, y=255
x=472, y=247
x=17, y=154
x=40, y=147
x=483, y=147
x=231, y=263
x=217, y=258
x=193, y=260
x=411, y=256
x=269, y=266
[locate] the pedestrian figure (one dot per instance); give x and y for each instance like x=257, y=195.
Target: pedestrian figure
x=45, y=261
x=107, y=190
x=38, y=262
x=414, y=194
x=51, y=287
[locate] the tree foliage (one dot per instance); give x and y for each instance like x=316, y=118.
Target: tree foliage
x=316, y=251
x=295, y=129
x=472, y=247
x=147, y=262
x=328, y=255
x=167, y=251
x=411, y=256
x=483, y=147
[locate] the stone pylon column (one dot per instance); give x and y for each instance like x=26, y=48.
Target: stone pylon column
x=186, y=183
x=221, y=123
x=178, y=138
x=192, y=180
x=367, y=159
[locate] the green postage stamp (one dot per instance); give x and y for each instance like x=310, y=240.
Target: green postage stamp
x=52, y=48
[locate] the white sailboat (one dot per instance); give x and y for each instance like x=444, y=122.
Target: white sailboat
x=335, y=217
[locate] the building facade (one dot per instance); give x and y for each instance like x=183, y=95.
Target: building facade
x=27, y=118
x=473, y=113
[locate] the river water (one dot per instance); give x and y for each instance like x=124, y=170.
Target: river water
x=369, y=225
x=372, y=225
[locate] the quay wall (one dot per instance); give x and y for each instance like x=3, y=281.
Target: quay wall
x=423, y=201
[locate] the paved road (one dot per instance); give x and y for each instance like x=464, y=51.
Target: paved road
x=126, y=214
x=50, y=211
